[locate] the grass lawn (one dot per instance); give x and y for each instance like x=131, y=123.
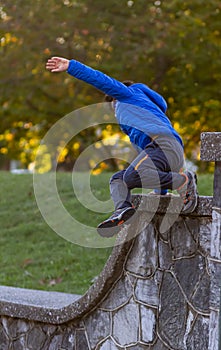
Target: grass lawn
x=32, y=254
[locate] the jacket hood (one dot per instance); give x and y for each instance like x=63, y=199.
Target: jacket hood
x=156, y=98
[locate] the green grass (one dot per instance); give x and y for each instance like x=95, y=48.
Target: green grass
x=32, y=254
x=205, y=184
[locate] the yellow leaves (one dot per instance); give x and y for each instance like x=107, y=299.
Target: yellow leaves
x=179, y=128
x=125, y=138
x=170, y=100
x=190, y=112
x=198, y=21
x=98, y=57
x=97, y=170
x=172, y=70
x=8, y=38
x=62, y=154
x=187, y=12
x=34, y=71
x=34, y=142
x=177, y=114
x=216, y=33
x=182, y=34
x=111, y=140
x=44, y=163
x=214, y=37
x=189, y=67
x=100, y=42
x=21, y=140
x=197, y=124
x=213, y=104
x=98, y=145
x=18, y=124
x=194, y=110
x=3, y=150
x=23, y=143
x=9, y=137
x=109, y=137
x=76, y=146
x=47, y=51
x=107, y=132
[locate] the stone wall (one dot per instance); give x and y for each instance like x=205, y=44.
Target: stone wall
x=159, y=290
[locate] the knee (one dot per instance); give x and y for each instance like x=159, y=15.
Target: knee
x=118, y=176
x=131, y=177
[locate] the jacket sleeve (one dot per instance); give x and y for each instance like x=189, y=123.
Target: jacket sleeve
x=101, y=81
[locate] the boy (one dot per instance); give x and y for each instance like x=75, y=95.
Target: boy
x=140, y=111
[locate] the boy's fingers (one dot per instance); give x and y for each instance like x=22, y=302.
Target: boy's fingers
x=50, y=63
x=56, y=64
x=48, y=66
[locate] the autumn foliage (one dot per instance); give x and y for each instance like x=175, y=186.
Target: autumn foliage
x=173, y=46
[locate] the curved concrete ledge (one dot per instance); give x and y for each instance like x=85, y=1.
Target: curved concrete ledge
x=160, y=289
x=171, y=204
x=57, y=308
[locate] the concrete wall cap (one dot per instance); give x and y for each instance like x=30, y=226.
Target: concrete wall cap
x=210, y=146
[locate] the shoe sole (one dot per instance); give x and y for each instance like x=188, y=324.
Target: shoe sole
x=114, y=225
x=195, y=202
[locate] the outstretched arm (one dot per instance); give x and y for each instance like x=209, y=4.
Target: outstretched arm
x=91, y=76
x=57, y=64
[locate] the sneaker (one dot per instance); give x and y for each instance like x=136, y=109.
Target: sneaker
x=119, y=217
x=188, y=192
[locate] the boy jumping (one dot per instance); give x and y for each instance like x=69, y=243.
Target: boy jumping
x=140, y=112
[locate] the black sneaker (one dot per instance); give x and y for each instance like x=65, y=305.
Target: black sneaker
x=112, y=225
x=188, y=193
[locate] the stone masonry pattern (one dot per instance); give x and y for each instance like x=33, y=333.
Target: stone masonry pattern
x=161, y=301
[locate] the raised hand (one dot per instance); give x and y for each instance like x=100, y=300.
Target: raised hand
x=57, y=64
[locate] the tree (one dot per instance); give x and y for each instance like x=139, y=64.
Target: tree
x=174, y=47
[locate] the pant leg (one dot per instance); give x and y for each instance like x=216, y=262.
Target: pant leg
x=152, y=168
x=119, y=191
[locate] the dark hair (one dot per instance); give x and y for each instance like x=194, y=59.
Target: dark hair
x=128, y=82
x=108, y=98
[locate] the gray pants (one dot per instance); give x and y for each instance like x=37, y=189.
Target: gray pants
x=158, y=166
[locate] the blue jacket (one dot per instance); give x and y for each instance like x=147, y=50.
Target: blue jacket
x=139, y=110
